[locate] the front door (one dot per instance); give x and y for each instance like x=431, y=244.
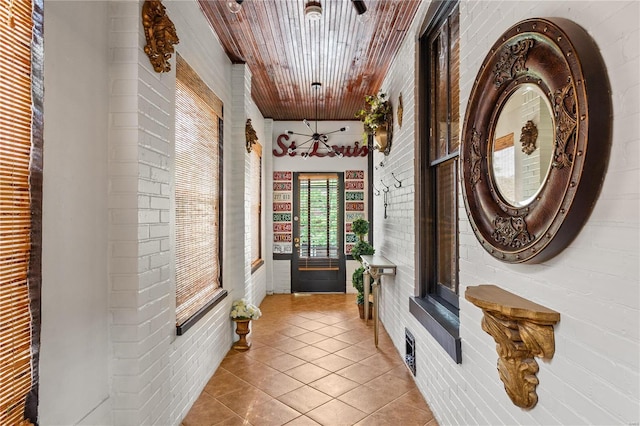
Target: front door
x=318, y=260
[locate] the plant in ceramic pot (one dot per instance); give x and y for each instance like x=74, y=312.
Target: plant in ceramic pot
x=360, y=227
x=242, y=312
x=376, y=118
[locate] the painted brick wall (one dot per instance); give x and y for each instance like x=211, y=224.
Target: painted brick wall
x=593, y=377
x=156, y=375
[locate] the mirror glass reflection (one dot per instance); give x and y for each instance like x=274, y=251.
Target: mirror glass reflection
x=523, y=145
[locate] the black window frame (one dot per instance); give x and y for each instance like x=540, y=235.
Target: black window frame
x=433, y=305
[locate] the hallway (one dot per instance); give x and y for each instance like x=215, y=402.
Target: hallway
x=312, y=361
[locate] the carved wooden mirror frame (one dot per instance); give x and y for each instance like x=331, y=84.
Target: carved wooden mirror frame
x=563, y=61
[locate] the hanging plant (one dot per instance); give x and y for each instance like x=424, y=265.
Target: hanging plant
x=375, y=113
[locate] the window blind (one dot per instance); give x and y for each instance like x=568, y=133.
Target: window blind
x=15, y=209
x=256, y=204
x=197, y=193
x=318, y=219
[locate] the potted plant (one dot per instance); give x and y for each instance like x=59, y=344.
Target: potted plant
x=376, y=117
x=242, y=312
x=360, y=227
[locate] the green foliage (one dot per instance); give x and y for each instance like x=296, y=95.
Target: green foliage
x=360, y=227
x=358, y=283
x=360, y=248
x=375, y=112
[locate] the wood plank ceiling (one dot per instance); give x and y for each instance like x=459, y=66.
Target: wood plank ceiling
x=286, y=52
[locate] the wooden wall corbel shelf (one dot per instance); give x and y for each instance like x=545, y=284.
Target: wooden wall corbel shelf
x=522, y=330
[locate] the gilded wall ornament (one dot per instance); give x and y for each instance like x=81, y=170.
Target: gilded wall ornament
x=160, y=34
x=250, y=135
x=528, y=137
x=522, y=331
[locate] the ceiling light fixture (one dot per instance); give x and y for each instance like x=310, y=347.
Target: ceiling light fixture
x=234, y=6
x=315, y=136
x=359, y=6
x=313, y=10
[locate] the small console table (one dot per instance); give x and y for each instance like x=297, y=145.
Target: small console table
x=375, y=266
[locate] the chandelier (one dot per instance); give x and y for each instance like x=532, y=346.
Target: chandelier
x=315, y=137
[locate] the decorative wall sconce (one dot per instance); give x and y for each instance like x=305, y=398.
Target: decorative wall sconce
x=160, y=34
x=250, y=135
x=522, y=330
x=528, y=137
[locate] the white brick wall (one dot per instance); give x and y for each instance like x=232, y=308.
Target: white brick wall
x=593, y=377
x=157, y=375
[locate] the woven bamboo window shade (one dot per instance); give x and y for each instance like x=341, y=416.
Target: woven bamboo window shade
x=15, y=209
x=198, y=177
x=256, y=204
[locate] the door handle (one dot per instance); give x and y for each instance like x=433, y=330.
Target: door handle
x=296, y=240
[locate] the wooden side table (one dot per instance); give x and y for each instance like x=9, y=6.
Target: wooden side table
x=375, y=266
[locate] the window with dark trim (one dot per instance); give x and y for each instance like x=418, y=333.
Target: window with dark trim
x=436, y=301
x=198, y=195
x=256, y=206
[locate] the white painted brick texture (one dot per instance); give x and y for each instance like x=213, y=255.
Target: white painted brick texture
x=156, y=375
x=594, y=375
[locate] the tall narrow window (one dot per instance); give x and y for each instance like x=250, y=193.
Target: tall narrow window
x=256, y=206
x=436, y=304
x=318, y=217
x=198, y=190
x=20, y=201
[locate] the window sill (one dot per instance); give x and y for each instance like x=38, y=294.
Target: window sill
x=182, y=328
x=443, y=325
x=256, y=265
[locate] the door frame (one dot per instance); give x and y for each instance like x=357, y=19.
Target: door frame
x=340, y=287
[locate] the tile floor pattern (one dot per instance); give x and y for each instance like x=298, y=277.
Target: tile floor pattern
x=312, y=362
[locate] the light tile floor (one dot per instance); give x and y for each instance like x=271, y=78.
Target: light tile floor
x=312, y=361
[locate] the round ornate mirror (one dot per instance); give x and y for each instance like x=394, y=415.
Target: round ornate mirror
x=536, y=139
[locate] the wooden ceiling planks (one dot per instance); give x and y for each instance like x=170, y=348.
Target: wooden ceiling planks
x=287, y=52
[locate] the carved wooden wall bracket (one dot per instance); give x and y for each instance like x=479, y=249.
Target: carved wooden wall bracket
x=160, y=34
x=522, y=330
x=250, y=135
